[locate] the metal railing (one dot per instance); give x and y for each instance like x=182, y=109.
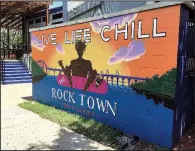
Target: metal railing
x=110, y=78
x=26, y=59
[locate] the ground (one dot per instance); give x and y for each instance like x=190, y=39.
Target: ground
x=188, y=140
x=22, y=129
x=186, y=143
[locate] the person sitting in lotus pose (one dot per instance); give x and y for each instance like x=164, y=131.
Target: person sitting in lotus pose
x=79, y=67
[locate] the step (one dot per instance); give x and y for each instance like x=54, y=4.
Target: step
x=13, y=66
x=13, y=69
x=18, y=78
x=17, y=81
x=18, y=74
x=12, y=62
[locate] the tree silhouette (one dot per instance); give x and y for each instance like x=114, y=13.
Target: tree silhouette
x=161, y=89
x=37, y=72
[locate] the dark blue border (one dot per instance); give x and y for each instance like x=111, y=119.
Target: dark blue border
x=180, y=85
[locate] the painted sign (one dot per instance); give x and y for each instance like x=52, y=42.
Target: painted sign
x=120, y=71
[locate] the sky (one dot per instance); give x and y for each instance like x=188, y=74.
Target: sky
x=56, y=4
x=71, y=4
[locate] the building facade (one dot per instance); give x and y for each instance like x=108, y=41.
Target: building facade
x=39, y=19
x=97, y=8
x=75, y=10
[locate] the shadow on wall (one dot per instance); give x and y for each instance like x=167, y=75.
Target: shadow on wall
x=65, y=141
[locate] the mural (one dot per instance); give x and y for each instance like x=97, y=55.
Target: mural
x=120, y=71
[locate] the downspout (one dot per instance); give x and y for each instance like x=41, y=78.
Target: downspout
x=65, y=11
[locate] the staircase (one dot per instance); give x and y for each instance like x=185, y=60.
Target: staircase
x=15, y=72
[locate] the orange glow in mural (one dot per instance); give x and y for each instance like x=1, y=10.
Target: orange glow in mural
x=129, y=44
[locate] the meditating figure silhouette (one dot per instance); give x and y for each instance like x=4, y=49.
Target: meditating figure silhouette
x=79, y=67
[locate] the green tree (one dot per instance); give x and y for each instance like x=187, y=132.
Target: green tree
x=159, y=85
x=15, y=39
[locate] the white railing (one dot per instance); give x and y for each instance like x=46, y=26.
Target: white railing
x=26, y=59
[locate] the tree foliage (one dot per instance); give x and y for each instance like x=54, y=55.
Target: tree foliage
x=163, y=85
x=37, y=72
x=14, y=39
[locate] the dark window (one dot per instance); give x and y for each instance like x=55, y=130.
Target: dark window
x=38, y=20
x=191, y=15
x=44, y=19
x=31, y=22
x=57, y=16
x=57, y=22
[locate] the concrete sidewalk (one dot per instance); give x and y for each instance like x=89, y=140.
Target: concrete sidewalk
x=22, y=129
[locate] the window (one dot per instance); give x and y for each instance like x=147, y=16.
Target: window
x=57, y=22
x=38, y=20
x=57, y=16
x=44, y=19
x=31, y=22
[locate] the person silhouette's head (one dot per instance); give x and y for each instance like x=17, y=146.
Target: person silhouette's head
x=80, y=48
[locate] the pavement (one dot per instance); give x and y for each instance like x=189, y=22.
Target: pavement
x=25, y=130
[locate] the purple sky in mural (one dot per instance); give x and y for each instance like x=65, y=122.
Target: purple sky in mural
x=134, y=51
x=34, y=40
x=97, y=25
x=60, y=49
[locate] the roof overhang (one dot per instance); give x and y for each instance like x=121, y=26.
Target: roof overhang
x=12, y=11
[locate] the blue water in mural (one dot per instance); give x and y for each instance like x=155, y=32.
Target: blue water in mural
x=121, y=108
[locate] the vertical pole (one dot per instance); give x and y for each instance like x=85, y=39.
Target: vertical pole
x=0, y=42
x=23, y=35
x=47, y=14
x=27, y=32
x=0, y=31
x=3, y=46
x=8, y=50
x=65, y=12
x=194, y=61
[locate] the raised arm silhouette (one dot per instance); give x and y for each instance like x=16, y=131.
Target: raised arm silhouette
x=79, y=67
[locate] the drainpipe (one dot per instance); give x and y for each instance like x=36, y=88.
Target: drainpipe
x=65, y=11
